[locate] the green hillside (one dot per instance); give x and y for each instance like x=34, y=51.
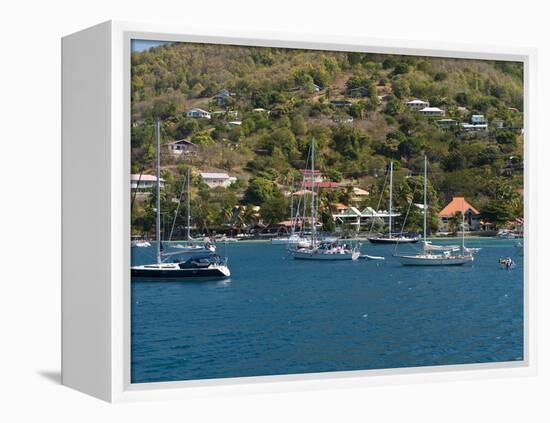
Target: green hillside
x=298, y=91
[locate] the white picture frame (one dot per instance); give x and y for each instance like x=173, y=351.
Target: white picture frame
x=96, y=159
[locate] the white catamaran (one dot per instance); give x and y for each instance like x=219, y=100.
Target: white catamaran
x=317, y=249
x=199, y=265
x=449, y=255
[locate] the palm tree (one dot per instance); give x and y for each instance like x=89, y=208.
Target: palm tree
x=455, y=222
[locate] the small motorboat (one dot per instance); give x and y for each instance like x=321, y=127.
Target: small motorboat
x=369, y=257
x=507, y=263
x=141, y=244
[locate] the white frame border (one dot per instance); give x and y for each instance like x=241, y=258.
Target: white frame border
x=121, y=388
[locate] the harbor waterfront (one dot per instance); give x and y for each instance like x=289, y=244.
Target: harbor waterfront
x=276, y=315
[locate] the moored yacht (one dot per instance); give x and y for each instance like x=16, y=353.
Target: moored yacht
x=392, y=238
x=317, y=249
x=201, y=264
x=195, y=266
x=327, y=251
x=429, y=259
x=450, y=255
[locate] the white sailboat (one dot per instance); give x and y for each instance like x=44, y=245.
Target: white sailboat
x=427, y=257
x=200, y=265
x=190, y=247
x=391, y=238
x=316, y=249
x=293, y=238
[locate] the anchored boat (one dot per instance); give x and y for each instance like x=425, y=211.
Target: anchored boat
x=316, y=249
x=200, y=264
x=391, y=238
x=427, y=256
x=196, y=266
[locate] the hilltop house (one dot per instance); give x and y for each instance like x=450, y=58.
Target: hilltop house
x=217, y=179
x=417, y=105
x=447, y=123
x=432, y=112
x=222, y=97
x=323, y=184
x=317, y=175
x=359, y=194
x=234, y=124
x=197, y=113
x=477, y=123
x=183, y=148
x=477, y=120
x=457, y=206
x=232, y=114
x=316, y=179
x=144, y=182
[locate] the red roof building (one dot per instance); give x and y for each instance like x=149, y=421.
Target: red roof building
x=457, y=205
x=323, y=184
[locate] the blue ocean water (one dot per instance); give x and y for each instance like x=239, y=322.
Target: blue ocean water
x=277, y=315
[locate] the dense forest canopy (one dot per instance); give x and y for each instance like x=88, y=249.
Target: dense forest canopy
x=282, y=98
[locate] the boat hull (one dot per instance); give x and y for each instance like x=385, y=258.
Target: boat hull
x=284, y=241
x=175, y=272
x=392, y=240
x=314, y=255
x=434, y=261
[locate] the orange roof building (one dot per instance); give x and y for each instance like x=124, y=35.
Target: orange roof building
x=457, y=205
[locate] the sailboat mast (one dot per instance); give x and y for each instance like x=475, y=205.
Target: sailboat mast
x=188, y=205
x=462, y=224
x=391, y=195
x=425, y=198
x=292, y=206
x=159, y=258
x=312, y=192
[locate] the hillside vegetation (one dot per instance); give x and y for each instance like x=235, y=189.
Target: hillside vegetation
x=296, y=90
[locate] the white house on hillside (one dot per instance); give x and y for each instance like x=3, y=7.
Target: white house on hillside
x=195, y=112
x=417, y=104
x=144, y=182
x=222, y=97
x=234, y=123
x=468, y=127
x=217, y=179
x=447, y=123
x=432, y=112
x=477, y=124
x=477, y=120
